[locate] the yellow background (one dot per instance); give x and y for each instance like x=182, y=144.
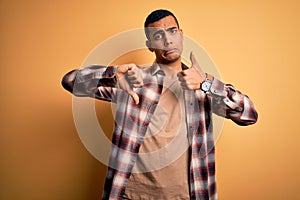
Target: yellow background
x=255, y=45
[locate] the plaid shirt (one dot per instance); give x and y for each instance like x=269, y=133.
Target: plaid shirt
x=132, y=120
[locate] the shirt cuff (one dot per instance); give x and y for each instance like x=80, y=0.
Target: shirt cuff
x=217, y=88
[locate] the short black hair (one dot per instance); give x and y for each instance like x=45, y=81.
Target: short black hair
x=156, y=16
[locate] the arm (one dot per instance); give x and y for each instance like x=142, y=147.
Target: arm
x=232, y=104
x=101, y=82
x=226, y=100
x=93, y=81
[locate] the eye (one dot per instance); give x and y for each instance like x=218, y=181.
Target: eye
x=173, y=31
x=158, y=36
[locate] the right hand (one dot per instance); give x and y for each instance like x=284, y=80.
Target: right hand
x=129, y=76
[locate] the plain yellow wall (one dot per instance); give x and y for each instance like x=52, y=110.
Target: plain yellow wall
x=255, y=45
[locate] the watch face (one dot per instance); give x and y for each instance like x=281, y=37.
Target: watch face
x=205, y=86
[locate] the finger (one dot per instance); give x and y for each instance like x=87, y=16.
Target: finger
x=183, y=72
x=122, y=69
x=135, y=97
x=193, y=59
x=136, y=82
x=131, y=72
x=137, y=85
x=129, y=67
x=179, y=74
x=181, y=79
x=134, y=77
x=195, y=64
x=132, y=68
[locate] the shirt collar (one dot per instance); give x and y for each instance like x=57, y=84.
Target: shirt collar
x=155, y=68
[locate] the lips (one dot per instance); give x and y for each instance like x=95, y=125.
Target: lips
x=167, y=52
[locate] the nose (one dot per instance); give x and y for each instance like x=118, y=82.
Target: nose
x=168, y=39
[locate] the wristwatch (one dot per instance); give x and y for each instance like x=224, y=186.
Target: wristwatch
x=205, y=85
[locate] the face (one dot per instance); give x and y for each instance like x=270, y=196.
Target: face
x=165, y=39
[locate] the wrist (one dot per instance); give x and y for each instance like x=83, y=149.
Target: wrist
x=207, y=83
x=119, y=75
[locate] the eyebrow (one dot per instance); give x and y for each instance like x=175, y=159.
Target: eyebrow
x=172, y=28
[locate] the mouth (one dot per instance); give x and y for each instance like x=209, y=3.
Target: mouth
x=169, y=51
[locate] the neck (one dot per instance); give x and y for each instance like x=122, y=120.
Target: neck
x=176, y=65
x=171, y=69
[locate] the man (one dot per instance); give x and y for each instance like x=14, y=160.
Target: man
x=157, y=106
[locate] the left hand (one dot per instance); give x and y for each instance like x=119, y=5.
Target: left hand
x=191, y=79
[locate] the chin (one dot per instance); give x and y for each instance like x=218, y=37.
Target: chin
x=172, y=58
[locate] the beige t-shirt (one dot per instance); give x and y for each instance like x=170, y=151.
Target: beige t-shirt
x=161, y=171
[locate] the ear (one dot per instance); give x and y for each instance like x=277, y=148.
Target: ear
x=181, y=32
x=148, y=44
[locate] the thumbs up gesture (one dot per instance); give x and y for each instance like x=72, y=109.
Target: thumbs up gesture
x=129, y=76
x=191, y=79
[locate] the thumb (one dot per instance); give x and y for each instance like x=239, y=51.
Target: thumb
x=193, y=59
x=124, y=85
x=195, y=64
x=134, y=96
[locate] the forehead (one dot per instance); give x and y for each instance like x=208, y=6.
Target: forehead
x=165, y=22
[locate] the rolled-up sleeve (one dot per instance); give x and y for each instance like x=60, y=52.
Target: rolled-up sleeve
x=93, y=81
x=231, y=103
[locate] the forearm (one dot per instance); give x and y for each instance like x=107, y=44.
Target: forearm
x=231, y=103
x=85, y=81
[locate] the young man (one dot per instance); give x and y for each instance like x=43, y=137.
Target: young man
x=165, y=106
